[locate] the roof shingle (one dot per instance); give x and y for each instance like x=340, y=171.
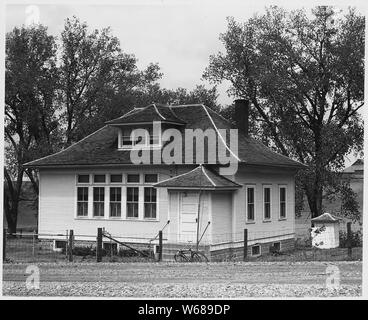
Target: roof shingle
x=153, y=112
x=199, y=178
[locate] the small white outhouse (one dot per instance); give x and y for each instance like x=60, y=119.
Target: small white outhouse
x=325, y=231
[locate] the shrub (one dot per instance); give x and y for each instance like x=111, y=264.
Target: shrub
x=356, y=239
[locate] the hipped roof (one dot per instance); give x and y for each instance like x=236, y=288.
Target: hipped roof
x=101, y=147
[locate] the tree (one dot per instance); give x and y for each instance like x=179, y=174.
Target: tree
x=304, y=76
x=181, y=96
x=94, y=72
x=31, y=127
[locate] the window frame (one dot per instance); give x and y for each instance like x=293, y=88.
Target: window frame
x=147, y=138
x=82, y=216
x=99, y=174
x=150, y=203
x=150, y=183
x=115, y=174
x=134, y=182
x=99, y=202
x=260, y=250
x=83, y=183
x=285, y=201
x=132, y=202
x=277, y=242
x=266, y=186
x=115, y=202
x=253, y=187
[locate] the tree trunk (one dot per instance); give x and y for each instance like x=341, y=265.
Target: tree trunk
x=12, y=191
x=315, y=194
x=11, y=214
x=12, y=223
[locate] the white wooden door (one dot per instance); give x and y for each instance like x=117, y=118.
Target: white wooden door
x=188, y=210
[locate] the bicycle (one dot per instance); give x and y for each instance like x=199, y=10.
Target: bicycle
x=189, y=255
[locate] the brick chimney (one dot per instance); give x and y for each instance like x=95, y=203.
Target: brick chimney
x=242, y=115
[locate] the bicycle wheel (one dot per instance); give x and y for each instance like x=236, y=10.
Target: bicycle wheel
x=199, y=257
x=180, y=257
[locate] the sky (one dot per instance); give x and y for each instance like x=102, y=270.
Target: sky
x=179, y=35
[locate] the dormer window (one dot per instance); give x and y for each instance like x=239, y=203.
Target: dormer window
x=129, y=137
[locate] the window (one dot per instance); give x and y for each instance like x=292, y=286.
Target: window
x=115, y=202
x=153, y=139
x=99, y=178
x=83, y=178
x=98, y=201
x=150, y=178
x=130, y=137
x=282, y=202
x=250, y=203
x=256, y=250
x=133, y=178
x=82, y=201
x=267, y=203
x=150, y=200
x=132, y=202
x=277, y=246
x=116, y=178
x=110, y=248
x=126, y=140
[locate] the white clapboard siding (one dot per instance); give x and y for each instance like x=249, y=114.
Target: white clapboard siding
x=259, y=228
x=221, y=228
x=57, y=212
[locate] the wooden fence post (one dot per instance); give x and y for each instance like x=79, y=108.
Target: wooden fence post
x=99, y=245
x=245, y=254
x=4, y=245
x=349, y=242
x=66, y=244
x=70, y=245
x=33, y=243
x=160, y=245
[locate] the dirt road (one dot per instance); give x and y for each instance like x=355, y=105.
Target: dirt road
x=187, y=280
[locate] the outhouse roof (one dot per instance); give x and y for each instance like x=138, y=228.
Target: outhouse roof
x=326, y=217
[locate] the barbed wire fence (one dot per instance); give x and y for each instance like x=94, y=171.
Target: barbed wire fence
x=106, y=247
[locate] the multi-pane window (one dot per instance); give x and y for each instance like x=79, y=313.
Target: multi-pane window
x=132, y=202
x=83, y=178
x=142, y=136
x=133, y=178
x=115, y=202
x=82, y=201
x=282, y=202
x=98, y=201
x=267, y=203
x=250, y=203
x=122, y=195
x=150, y=178
x=150, y=200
